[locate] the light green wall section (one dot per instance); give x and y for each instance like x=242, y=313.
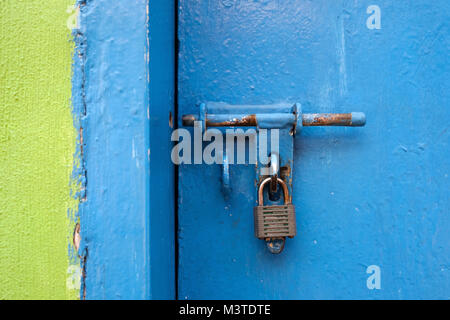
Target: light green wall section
x=37, y=146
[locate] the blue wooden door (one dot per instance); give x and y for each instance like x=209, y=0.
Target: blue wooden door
x=372, y=203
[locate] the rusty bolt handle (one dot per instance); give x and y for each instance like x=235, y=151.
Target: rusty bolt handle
x=353, y=119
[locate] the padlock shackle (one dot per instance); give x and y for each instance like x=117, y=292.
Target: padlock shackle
x=287, y=199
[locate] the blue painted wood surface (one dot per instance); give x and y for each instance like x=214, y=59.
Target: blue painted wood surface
x=377, y=195
x=125, y=78
x=162, y=173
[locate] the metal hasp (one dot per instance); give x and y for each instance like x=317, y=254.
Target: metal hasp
x=288, y=119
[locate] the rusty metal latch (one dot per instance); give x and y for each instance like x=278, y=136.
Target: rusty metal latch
x=270, y=117
x=289, y=120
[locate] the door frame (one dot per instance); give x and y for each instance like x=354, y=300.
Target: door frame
x=124, y=106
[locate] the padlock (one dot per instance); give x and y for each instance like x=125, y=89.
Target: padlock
x=274, y=221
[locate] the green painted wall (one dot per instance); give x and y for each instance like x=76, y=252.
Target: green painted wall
x=37, y=147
